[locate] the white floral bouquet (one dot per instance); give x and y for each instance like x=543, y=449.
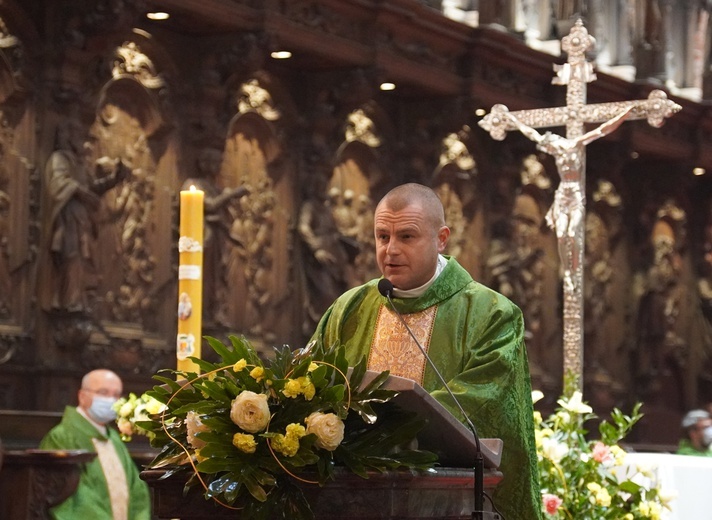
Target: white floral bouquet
x=249, y=434
x=589, y=478
x=133, y=410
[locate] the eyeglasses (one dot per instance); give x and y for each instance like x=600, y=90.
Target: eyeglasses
x=103, y=392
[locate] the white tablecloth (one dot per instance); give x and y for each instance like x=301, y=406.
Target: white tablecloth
x=687, y=476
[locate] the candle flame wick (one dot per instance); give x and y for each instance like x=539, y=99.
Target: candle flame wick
x=192, y=187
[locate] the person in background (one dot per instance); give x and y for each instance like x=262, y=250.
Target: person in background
x=474, y=335
x=697, y=426
x=110, y=487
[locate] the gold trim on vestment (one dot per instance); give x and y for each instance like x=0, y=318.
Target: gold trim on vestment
x=115, y=478
x=393, y=348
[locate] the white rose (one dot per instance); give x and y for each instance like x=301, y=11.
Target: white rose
x=126, y=409
x=553, y=450
x=328, y=428
x=250, y=411
x=154, y=406
x=194, y=425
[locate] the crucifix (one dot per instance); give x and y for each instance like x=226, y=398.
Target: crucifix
x=567, y=214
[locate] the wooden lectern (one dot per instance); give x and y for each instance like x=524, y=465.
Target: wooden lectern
x=444, y=492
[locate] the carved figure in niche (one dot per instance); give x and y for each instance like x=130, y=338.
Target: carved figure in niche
x=353, y=217
x=325, y=256
x=662, y=353
x=216, y=236
x=250, y=262
x=260, y=261
x=75, y=189
x=341, y=206
x=599, y=272
x=342, y=209
x=365, y=266
x=648, y=31
x=516, y=267
x=566, y=213
x=133, y=205
x=454, y=217
x=673, y=337
x=604, y=371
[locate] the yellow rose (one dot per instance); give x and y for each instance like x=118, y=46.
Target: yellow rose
x=296, y=431
x=194, y=425
x=603, y=498
x=250, y=411
x=309, y=390
x=644, y=509
x=288, y=444
x=244, y=442
x=328, y=428
x=292, y=388
x=288, y=448
x=257, y=373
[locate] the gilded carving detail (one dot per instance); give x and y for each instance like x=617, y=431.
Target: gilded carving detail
x=360, y=127
x=131, y=61
x=253, y=97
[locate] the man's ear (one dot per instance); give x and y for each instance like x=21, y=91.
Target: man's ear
x=443, y=237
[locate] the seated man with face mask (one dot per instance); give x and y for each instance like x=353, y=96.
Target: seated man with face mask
x=110, y=487
x=697, y=425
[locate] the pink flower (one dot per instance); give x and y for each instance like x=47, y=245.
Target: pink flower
x=601, y=452
x=551, y=503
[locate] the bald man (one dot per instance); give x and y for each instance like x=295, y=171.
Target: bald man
x=110, y=487
x=474, y=335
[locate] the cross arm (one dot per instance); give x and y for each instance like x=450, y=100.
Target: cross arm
x=656, y=108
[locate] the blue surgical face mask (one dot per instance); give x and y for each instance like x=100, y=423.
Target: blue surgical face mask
x=707, y=436
x=102, y=409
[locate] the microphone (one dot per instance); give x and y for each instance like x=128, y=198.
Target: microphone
x=385, y=287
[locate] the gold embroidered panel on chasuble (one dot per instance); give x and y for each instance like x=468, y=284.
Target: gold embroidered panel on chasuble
x=393, y=348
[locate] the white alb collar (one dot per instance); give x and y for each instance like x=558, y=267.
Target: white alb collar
x=418, y=291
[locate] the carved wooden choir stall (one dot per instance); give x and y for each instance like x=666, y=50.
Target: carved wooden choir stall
x=294, y=118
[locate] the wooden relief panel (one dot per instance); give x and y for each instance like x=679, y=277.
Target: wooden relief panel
x=256, y=262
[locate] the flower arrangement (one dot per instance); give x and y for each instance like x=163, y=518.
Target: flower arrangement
x=582, y=478
x=249, y=434
x=133, y=410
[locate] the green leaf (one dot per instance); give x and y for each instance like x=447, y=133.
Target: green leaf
x=255, y=489
x=228, y=357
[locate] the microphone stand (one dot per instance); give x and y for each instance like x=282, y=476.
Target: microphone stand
x=385, y=287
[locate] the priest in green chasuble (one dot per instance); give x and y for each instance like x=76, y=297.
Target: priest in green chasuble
x=474, y=335
x=110, y=487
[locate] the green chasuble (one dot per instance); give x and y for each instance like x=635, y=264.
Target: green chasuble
x=686, y=448
x=476, y=341
x=91, y=500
